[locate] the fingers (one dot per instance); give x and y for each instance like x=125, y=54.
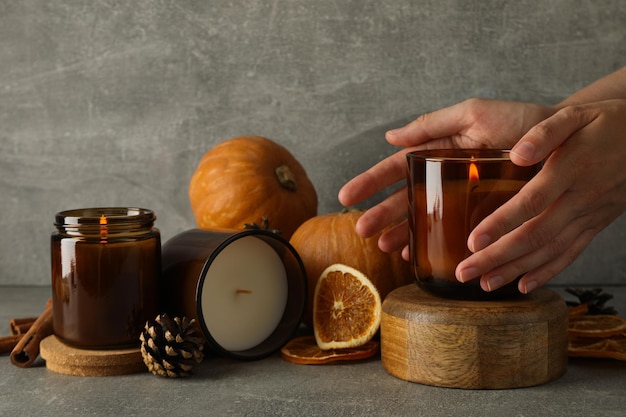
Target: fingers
x=385, y=173
x=525, y=224
x=532, y=222
x=444, y=123
x=538, y=267
x=543, y=190
x=422, y=129
x=395, y=238
x=540, y=276
x=547, y=135
x=390, y=170
x=530, y=237
x=406, y=255
x=558, y=251
x=392, y=210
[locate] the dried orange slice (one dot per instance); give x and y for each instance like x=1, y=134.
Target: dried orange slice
x=597, y=326
x=608, y=347
x=304, y=350
x=346, y=308
x=577, y=311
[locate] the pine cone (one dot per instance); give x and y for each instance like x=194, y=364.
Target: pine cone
x=171, y=348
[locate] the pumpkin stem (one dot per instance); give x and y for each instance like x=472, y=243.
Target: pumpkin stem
x=286, y=178
x=265, y=226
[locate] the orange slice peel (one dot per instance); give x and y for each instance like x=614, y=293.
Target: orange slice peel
x=578, y=311
x=304, y=350
x=596, y=326
x=613, y=347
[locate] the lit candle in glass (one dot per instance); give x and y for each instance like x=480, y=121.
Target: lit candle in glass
x=246, y=289
x=105, y=272
x=450, y=191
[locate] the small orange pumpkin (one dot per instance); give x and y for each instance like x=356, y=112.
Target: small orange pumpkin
x=331, y=238
x=249, y=178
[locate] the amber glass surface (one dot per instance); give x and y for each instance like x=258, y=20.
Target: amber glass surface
x=105, y=274
x=450, y=191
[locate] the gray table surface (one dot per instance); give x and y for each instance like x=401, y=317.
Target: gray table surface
x=274, y=387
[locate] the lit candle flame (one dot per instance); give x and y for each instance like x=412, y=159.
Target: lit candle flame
x=103, y=229
x=473, y=173
x=471, y=197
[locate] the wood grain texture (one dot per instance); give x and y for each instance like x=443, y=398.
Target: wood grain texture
x=474, y=344
x=67, y=360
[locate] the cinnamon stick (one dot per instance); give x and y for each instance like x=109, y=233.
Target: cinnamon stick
x=8, y=343
x=26, y=351
x=21, y=325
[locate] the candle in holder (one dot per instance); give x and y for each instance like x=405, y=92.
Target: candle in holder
x=247, y=289
x=450, y=191
x=105, y=272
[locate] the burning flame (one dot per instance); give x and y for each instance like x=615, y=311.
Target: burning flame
x=473, y=173
x=103, y=228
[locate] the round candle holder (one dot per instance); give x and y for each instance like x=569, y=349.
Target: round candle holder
x=509, y=343
x=450, y=191
x=247, y=289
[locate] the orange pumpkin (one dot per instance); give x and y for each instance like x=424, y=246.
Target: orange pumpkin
x=331, y=238
x=249, y=178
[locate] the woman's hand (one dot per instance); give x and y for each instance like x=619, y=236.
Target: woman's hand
x=474, y=123
x=580, y=190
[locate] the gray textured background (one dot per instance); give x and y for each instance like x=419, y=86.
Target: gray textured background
x=114, y=102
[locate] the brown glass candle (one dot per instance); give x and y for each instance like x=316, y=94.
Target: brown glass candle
x=247, y=289
x=105, y=273
x=450, y=192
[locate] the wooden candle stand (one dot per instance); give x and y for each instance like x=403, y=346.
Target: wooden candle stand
x=510, y=343
x=68, y=360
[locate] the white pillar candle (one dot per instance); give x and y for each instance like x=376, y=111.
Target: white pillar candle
x=244, y=294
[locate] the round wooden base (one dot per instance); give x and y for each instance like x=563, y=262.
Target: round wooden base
x=68, y=360
x=511, y=343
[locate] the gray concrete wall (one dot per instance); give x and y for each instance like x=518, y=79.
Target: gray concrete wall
x=115, y=102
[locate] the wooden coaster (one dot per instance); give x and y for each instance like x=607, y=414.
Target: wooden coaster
x=511, y=343
x=68, y=360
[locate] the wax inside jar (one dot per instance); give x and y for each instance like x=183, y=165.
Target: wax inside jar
x=244, y=294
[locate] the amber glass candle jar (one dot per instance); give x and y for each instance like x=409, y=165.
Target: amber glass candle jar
x=105, y=271
x=247, y=289
x=450, y=191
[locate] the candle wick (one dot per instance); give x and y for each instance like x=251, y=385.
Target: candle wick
x=242, y=291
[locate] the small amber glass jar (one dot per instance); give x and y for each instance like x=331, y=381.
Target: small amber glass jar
x=106, y=265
